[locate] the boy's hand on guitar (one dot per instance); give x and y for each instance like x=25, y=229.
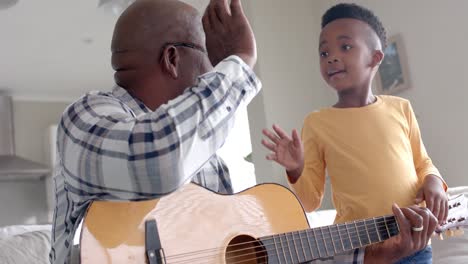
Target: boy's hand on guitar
x=417, y=224
x=433, y=193
x=286, y=151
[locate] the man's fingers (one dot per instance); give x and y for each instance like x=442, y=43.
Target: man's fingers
x=206, y=21
x=229, y=34
x=221, y=10
x=430, y=224
x=403, y=223
x=415, y=215
x=236, y=8
x=427, y=231
x=415, y=220
x=213, y=17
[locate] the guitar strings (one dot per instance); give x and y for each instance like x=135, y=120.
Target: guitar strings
x=279, y=246
x=358, y=223
x=290, y=251
x=332, y=236
x=285, y=251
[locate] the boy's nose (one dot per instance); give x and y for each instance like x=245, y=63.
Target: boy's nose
x=332, y=60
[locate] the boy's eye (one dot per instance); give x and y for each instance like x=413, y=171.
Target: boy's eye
x=346, y=47
x=324, y=54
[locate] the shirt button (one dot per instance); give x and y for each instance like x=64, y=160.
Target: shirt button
x=228, y=108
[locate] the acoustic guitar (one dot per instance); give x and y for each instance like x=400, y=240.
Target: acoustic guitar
x=263, y=224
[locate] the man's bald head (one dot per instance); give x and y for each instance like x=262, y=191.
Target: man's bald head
x=148, y=24
x=146, y=66
x=143, y=29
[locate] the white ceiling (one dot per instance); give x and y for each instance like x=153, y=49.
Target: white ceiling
x=57, y=49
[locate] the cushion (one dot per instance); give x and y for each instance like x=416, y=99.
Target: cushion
x=20, y=229
x=453, y=191
x=28, y=247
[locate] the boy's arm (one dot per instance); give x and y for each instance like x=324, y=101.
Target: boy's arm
x=422, y=161
x=432, y=186
x=310, y=185
x=305, y=165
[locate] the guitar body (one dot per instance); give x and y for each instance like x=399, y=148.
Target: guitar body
x=195, y=225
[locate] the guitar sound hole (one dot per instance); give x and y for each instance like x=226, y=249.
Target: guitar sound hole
x=246, y=250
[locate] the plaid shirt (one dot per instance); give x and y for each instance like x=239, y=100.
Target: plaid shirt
x=112, y=147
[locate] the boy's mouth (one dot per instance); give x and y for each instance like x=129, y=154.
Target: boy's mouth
x=332, y=73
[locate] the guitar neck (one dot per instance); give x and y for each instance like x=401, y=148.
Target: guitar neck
x=327, y=241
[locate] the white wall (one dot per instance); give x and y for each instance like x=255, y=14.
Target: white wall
x=32, y=120
x=26, y=201
x=435, y=35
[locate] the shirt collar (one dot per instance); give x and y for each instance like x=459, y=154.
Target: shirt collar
x=137, y=106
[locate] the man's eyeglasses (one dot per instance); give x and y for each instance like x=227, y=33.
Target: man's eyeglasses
x=184, y=44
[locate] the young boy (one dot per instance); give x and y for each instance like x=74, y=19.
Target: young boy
x=370, y=145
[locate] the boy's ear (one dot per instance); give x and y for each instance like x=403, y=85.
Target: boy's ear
x=377, y=58
x=170, y=61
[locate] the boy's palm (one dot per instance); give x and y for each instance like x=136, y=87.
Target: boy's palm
x=287, y=154
x=286, y=151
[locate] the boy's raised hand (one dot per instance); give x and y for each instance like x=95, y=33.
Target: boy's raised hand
x=434, y=194
x=286, y=151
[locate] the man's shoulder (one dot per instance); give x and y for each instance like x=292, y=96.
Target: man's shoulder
x=93, y=98
x=93, y=102
x=94, y=95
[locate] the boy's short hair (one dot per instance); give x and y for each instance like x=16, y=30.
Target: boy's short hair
x=346, y=10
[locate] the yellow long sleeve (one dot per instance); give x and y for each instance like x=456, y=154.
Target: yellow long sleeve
x=374, y=157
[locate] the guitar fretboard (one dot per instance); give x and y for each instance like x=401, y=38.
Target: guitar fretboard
x=327, y=241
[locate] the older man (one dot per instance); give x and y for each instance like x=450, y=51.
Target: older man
x=163, y=122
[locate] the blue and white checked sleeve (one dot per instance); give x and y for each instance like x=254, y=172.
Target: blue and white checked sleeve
x=108, y=153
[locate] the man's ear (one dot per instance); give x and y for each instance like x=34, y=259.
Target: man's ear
x=170, y=61
x=377, y=58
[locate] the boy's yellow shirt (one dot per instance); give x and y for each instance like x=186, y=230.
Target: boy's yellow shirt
x=374, y=157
